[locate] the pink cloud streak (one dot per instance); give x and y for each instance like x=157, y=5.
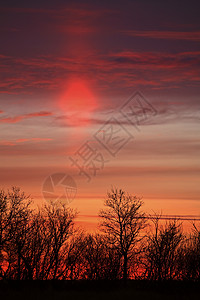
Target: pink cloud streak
x=19, y=118
x=13, y=143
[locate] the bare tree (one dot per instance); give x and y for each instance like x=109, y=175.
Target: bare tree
x=189, y=258
x=32, y=243
x=122, y=222
x=15, y=213
x=73, y=265
x=162, y=250
x=57, y=227
x=102, y=261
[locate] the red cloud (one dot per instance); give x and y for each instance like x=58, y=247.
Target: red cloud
x=1, y=111
x=129, y=68
x=26, y=116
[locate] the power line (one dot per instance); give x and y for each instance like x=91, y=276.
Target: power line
x=173, y=217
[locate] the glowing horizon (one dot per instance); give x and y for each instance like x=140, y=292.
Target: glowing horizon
x=64, y=81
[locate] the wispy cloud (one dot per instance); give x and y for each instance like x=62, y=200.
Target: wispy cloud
x=20, y=118
x=172, y=35
x=19, y=141
x=127, y=68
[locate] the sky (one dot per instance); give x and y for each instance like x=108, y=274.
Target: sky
x=101, y=94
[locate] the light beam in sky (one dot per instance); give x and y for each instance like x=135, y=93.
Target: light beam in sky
x=78, y=102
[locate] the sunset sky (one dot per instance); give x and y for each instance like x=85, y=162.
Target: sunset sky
x=66, y=70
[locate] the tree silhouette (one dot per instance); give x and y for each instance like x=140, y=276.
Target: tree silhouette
x=32, y=243
x=162, y=250
x=122, y=222
x=189, y=258
x=73, y=256
x=14, y=225
x=59, y=221
x=102, y=260
x=44, y=244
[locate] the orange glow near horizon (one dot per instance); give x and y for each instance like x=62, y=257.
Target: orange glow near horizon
x=68, y=75
x=78, y=102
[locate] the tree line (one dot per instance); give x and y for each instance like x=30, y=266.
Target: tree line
x=46, y=244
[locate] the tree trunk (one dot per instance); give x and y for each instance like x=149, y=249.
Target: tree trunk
x=18, y=265
x=125, y=268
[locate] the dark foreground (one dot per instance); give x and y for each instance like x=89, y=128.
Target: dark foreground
x=98, y=290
